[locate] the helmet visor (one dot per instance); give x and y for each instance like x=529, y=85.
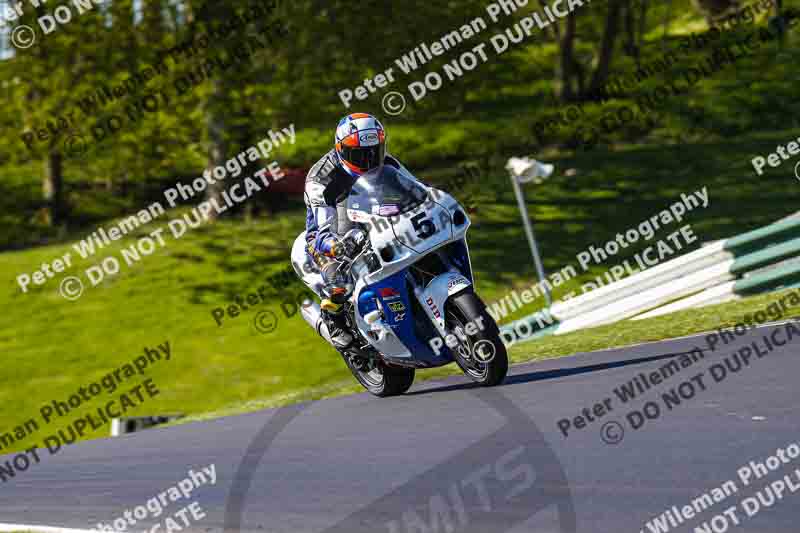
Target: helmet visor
x=365, y=158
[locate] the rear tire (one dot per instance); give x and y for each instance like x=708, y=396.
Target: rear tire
x=467, y=308
x=382, y=380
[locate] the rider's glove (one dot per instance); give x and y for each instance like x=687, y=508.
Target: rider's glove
x=337, y=248
x=347, y=246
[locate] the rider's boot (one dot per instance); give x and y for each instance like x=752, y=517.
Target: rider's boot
x=332, y=313
x=337, y=329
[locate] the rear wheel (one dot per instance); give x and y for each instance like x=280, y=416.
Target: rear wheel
x=379, y=378
x=479, y=352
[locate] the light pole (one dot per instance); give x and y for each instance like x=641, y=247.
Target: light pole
x=524, y=170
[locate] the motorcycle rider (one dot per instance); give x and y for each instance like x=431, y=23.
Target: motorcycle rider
x=359, y=152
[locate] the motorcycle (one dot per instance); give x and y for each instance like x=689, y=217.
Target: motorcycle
x=413, y=302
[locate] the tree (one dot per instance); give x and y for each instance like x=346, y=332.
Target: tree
x=572, y=75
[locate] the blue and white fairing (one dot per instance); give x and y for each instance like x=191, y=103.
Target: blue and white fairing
x=407, y=221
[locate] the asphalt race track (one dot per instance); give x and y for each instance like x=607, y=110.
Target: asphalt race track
x=448, y=457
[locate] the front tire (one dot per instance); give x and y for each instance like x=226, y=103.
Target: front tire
x=381, y=379
x=483, y=343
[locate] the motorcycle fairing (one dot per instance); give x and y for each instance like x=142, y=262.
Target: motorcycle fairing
x=403, y=340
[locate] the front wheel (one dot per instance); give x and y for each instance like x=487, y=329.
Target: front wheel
x=479, y=351
x=379, y=378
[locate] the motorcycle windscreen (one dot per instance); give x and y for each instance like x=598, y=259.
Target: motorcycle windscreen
x=393, y=193
x=424, y=227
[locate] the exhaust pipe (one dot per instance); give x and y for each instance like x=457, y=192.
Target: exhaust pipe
x=313, y=315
